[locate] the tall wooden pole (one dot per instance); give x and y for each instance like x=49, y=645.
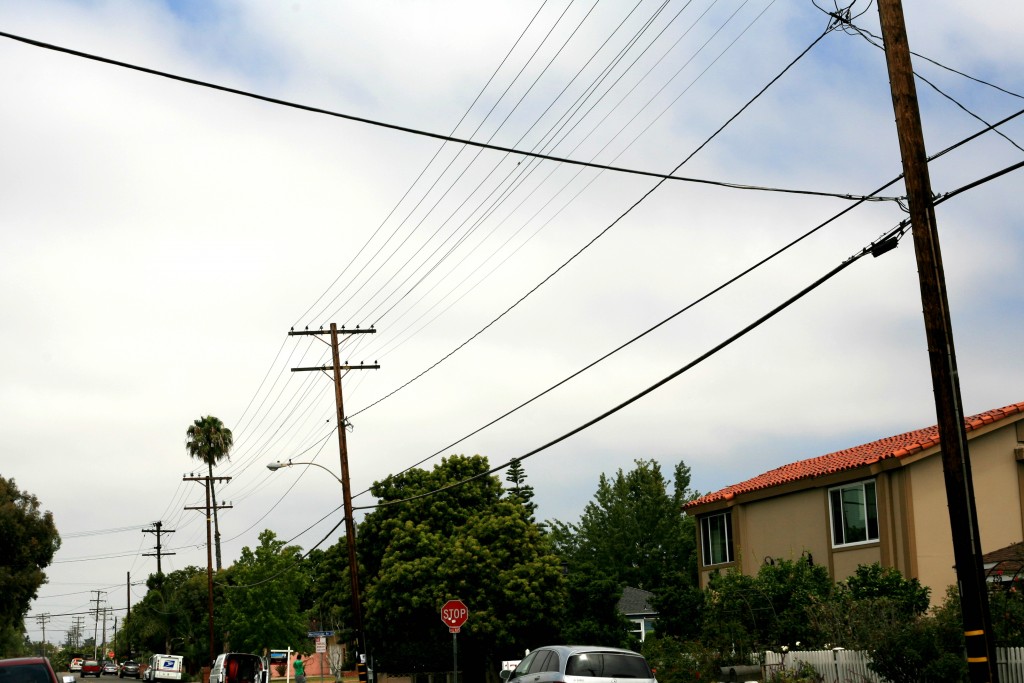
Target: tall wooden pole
x=350, y=527
x=956, y=464
x=209, y=572
x=208, y=509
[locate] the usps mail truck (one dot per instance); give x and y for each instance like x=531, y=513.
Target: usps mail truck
x=164, y=668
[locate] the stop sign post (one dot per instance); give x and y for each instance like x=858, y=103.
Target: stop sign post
x=454, y=614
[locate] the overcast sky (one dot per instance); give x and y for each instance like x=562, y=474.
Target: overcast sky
x=158, y=239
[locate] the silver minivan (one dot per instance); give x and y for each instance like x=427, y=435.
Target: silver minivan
x=580, y=664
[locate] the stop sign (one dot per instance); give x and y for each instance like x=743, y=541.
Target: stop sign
x=454, y=614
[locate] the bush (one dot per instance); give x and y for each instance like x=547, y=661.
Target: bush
x=676, y=661
x=926, y=650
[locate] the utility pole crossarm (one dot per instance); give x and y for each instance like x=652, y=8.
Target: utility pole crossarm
x=368, y=330
x=330, y=368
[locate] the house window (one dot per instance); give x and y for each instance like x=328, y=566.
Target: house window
x=716, y=538
x=854, y=513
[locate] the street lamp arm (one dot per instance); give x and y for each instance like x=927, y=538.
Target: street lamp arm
x=278, y=465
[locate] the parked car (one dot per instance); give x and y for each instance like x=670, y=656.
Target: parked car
x=109, y=668
x=596, y=664
x=76, y=664
x=129, y=668
x=238, y=667
x=32, y=669
x=91, y=667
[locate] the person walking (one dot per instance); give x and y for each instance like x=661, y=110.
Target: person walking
x=300, y=669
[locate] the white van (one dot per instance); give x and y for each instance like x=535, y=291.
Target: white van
x=239, y=667
x=164, y=667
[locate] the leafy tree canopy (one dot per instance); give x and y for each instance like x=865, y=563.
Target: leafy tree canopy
x=767, y=611
x=262, y=607
x=634, y=528
x=468, y=542
x=172, y=618
x=633, y=533
x=29, y=540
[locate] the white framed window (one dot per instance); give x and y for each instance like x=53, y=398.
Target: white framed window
x=716, y=538
x=854, y=512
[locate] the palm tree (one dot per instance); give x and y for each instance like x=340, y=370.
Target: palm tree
x=208, y=440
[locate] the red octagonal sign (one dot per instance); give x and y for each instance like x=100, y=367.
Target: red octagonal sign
x=454, y=614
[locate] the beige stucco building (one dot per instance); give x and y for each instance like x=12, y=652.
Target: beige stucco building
x=884, y=501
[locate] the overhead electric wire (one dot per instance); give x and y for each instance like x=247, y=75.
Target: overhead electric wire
x=509, y=184
x=878, y=42
x=461, y=149
x=600, y=234
x=771, y=256
x=407, y=129
x=532, y=161
x=895, y=233
x=465, y=115
x=99, y=532
x=649, y=330
x=295, y=482
x=429, y=163
x=454, y=182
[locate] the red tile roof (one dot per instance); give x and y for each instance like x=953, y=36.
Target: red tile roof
x=852, y=458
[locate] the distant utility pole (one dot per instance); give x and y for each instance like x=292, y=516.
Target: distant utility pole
x=208, y=483
x=76, y=631
x=41, y=619
x=96, y=624
x=350, y=528
x=158, y=530
x=105, y=611
x=956, y=463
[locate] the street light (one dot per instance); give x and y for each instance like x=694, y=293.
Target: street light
x=274, y=466
x=350, y=538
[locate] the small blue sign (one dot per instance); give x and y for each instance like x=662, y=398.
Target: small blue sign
x=320, y=634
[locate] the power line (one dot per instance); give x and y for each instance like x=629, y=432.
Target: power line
x=420, y=132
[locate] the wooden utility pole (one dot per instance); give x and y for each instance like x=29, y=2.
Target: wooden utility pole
x=208, y=483
x=158, y=530
x=41, y=619
x=350, y=527
x=96, y=624
x=956, y=463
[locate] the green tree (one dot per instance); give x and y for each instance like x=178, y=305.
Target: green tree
x=766, y=611
x=328, y=589
x=466, y=541
x=633, y=533
x=863, y=610
x=520, y=491
x=29, y=540
x=926, y=649
x=635, y=528
x=1006, y=604
x=172, y=618
x=262, y=605
x=209, y=441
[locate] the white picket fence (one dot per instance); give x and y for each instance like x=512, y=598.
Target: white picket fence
x=834, y=666
x=851, y=666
